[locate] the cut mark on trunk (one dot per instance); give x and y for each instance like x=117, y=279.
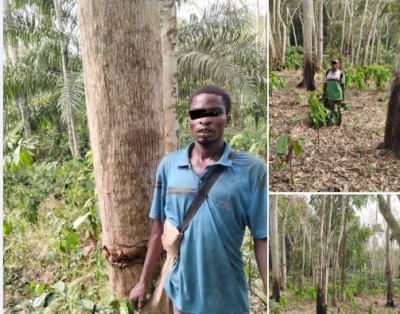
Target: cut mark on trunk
x=120, y=255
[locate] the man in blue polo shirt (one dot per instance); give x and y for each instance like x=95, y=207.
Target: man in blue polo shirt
x=208, y=277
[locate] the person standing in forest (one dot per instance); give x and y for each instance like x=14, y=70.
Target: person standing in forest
x=334, y=87
x=208, y=275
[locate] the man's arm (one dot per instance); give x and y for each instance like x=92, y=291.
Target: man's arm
x=261, y=250
x=342, y=91
x=154, y=251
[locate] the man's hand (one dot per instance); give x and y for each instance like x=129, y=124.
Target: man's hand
x=138, y=296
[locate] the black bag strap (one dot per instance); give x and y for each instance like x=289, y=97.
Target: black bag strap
x=216, y=172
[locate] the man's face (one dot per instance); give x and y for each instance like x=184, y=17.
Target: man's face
x=207, y=119
x=334, y=66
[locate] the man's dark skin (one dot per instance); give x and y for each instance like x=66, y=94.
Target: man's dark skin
x=208, y=135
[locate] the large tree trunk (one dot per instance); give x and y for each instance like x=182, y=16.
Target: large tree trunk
x=169, y=34
x=308, y=66
x=384, y=208
x=361, y=30
x=388, y=270
x=121, y=54
x=392, y=127
x=274, y=240
x=72, y=134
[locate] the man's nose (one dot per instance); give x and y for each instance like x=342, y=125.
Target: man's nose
x=205, y=120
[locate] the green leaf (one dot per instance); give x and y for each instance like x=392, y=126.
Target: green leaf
x=80, y=220
x=25, y=157
x=86, y=304
x=7, y=228
x=297, y=148
x=124, y=307
x=60, y=287
x=282, y=145
x=71, y=241
x=111, y=300
x=39, y=288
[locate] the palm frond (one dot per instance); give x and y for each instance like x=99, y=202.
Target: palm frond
x=72, y=93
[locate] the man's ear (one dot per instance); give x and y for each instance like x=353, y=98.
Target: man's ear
x=228, y=120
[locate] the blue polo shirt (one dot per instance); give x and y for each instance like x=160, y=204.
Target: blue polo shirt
x=208, y=277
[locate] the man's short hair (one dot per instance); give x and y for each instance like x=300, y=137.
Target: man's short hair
x=334, y=62
x=212, y=89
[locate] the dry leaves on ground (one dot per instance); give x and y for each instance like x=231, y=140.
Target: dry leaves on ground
x=346, y=159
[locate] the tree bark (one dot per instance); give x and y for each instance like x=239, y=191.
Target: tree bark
x=282, y=29
x=283, y=249
x=371, y=32
x=392, y=127
x=308, y=66
x=336, y=253
x=371, y=283
x=384, y=208
x=121, y=55
x=274, y=238
x=388, y=269
x=361, y=30
x=169, y=36
x=344, y=259
x=321, y=305
x=343, y=28
x=320, y=35
x=270, y=41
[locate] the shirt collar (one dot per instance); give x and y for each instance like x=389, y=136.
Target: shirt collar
x=183, y=157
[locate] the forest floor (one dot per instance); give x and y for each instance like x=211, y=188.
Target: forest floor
x=360, y=304
x=346, y=159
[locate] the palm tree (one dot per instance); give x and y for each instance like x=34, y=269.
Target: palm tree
x=39, y=58
x=220, y=48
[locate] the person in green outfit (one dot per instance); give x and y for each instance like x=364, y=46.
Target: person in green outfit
x=334, y=87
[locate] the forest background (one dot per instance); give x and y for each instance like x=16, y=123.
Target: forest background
x=335, y=253
x=309, y=151
x=53, y=250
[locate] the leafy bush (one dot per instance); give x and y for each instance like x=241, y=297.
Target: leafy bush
x=275, y=82
x=293, y=58
x=361, y=76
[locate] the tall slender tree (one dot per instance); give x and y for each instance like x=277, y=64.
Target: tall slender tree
x=308, y=65
x=274, y=242
x=387, y=214
x=388, y=268
x=121, y=54
x=169, y=37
